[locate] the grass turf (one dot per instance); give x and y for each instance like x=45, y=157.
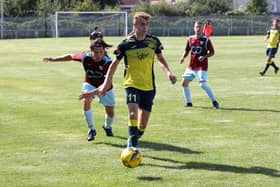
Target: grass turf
x=43, y=133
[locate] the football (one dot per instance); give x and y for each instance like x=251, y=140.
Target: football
x=131, y=157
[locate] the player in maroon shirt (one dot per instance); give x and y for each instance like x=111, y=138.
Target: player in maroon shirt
x=200, y=48
x=95, y=64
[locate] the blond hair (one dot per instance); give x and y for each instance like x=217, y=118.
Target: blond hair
x=140, y=16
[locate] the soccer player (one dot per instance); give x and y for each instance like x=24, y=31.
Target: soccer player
x=97, y=34
x=138, y=51
x=272, y=38
x=95, y=64
x=208, y=28
x=200, y=47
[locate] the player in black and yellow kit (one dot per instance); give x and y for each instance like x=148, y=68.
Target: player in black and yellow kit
x=138, y=50
x=272, y=38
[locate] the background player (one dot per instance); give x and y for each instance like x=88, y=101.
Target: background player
x=201, y=49
x=95, y=64
x=273, y=38
x=97, y=34
x=208, y=28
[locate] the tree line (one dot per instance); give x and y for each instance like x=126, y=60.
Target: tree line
x=25, y=8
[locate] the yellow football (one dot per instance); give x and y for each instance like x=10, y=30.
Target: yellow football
x=131, y=157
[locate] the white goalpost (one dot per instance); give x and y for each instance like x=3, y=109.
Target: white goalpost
x=76, y=23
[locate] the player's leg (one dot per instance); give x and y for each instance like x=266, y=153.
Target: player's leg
x=108, y=101
x=187, y=92
x=269, y=56
x=267, y=65
x=132, y=140
x=109, y=118
x=132, y=100
x=143, y=118
x=88, y=113
x=188, y=76
x=202, y=76
x=144, y=110
x=276, y=68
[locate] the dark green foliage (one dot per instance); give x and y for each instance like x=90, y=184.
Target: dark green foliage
x=17, y=8
x=208, y=7
x=257, y=7
x=87, y=5
x=23, y=8
x=188, y=8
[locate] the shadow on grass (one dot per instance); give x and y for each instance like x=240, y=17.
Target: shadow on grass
x=215, y=167
x=149, y=178
x=155, y=146
x=250, y=109
x=192, y=165
x=240, y=109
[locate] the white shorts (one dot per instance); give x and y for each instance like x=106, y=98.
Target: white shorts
x=200, y=75
x=107, y=100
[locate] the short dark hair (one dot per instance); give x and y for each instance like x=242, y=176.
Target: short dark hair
x=99, y=42
x=95, y=34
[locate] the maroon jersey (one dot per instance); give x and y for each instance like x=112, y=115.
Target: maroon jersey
x=78, y=57
x=198, y=47
x=95, y=71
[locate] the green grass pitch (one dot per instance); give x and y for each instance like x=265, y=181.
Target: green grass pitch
x=43, y=132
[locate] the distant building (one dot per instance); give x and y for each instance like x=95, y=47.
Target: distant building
x=273, y=5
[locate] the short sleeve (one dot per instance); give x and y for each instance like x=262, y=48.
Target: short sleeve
x=120, y=50
x=78, y=56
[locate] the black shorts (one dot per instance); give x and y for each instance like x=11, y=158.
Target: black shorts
x=144, y=99
x=271, y=52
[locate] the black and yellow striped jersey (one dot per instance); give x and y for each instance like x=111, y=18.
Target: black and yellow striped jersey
x=139, y=61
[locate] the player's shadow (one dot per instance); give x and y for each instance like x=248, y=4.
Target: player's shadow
x=240, y=109
x=149, y=178
x=156, y=146
x=214, y=167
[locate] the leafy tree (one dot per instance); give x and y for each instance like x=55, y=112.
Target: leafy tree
x=87, y=5
x=237, y=12
x=18, y=8
x=197, y=8
x=142, y=7
x=96, y=5
x=208, y=7
x=256, y=7
x=218, y=6
x=187, y=7
x=109, y=3
x=163, y=9
x=183, y=7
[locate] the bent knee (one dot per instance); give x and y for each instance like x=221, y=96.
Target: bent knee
x=203, y=84
x=185, y=83
x=132, y=115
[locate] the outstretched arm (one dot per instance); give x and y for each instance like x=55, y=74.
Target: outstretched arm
x=164, y=66
x=67, y=57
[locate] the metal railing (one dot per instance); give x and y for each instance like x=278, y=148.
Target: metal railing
x=34, y=27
